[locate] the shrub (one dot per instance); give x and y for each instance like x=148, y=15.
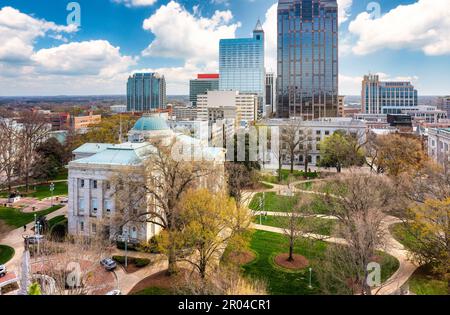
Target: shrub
x=141, y=262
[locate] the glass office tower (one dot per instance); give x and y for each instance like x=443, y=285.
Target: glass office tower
x=201, y=85
x=241, y=65
x=146, y=92
x=307, y=58
x=380, y=97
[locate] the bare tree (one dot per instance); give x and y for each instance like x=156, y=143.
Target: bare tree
x=164, y=181
x=358, y=204
x=225, y=281
x=293, y=225
x=9, y=155
x=293, y=137
x=72, y=267
x=34, y=131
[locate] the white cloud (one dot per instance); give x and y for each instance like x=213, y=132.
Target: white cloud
x=270, y=30
x=94, y=66
x=423, y=25
x=182, y=35
x=344, y=7
x=189, y=37
x=18, y=32
x=136, y=3
x=95, y=57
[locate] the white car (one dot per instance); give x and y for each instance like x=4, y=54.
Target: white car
x=2, y=270
x=114, y=292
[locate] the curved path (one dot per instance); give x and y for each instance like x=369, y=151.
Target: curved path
x=392, y=285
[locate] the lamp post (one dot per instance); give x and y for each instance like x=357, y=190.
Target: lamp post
x=35, y=223
x=126, y=250
x=52, y=188
x=310, y=275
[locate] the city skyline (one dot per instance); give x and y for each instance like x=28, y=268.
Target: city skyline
x=180, y=39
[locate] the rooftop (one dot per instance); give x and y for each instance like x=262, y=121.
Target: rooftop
x=150, y=123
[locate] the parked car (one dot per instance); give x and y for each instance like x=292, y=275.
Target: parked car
x=114, y=292
x=2, y=270
x=109, y=264
x=34, y=239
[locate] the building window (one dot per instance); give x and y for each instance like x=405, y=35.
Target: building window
x=94, y=204
x=108, y=185
x=81, y=226
x=327, y=132
x=82, y=183
x=81, y=204
x=94, y=228
x=317, y=159
x=94, y=184
x=318, y=132
x=108, y=205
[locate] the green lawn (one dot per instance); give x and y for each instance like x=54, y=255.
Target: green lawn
x=297, y=175
x=311, y=224
x=6, y=253
x=42, y=191
x=154, y=291
x=424, y=282
x=281, y=281
x=273, y=202
x=56, y=220
x=277, y=203
x=402, y=235
x=16, y=218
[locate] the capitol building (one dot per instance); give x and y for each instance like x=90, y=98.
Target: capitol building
x=92, y=197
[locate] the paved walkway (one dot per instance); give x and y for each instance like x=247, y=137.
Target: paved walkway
x=15, y=240
x=393, y=247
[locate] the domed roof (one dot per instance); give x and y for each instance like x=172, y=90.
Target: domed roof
x=149, y=123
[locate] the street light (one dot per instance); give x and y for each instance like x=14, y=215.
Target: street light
x=52, y=188
x=126, y=250
x=310, y=274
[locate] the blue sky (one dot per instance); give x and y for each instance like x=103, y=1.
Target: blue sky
x=41, y=55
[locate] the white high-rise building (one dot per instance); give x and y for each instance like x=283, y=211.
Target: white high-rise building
x=216, y=105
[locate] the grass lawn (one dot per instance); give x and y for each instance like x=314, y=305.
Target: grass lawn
x=43, y=191
x=312, y=225
x=277, y=203
x=16, y=218
x=402, y=235
x=282, y=281
x=424, y=282
x=297, y=175
x=154, y=291
x=273, y=202
x=56, y=220
x=6, y=253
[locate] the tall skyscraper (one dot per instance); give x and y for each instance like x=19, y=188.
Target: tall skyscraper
x=271, y=94
x=146, y=92
x=201, y=85
x=307, y=58
x=241, y=65
x=379, y=97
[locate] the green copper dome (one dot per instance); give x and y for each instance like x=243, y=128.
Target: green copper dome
x=151, y=123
